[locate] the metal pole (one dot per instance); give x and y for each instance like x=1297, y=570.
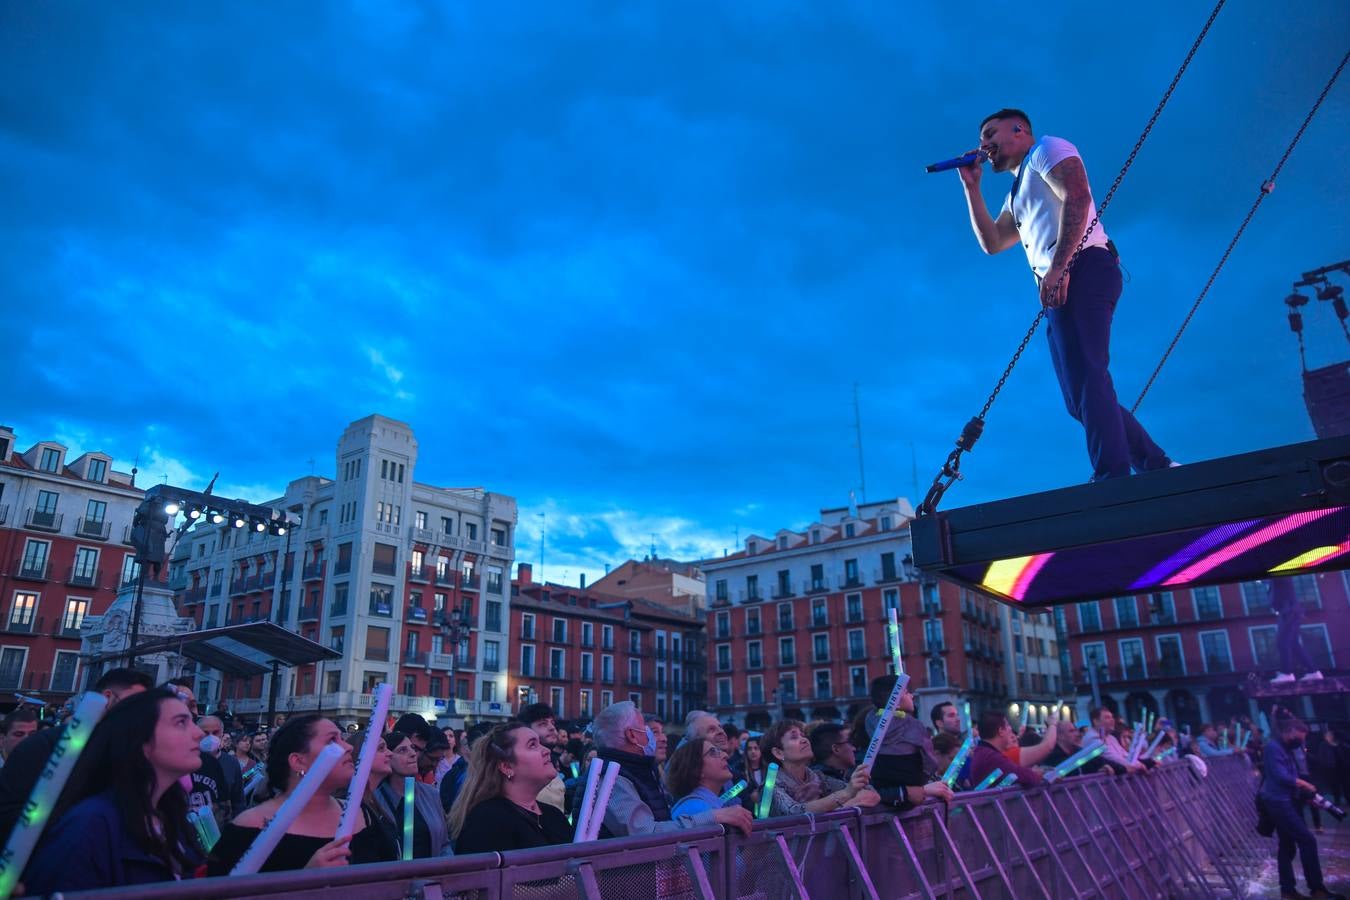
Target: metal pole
x=136, y=615
x=272, y=693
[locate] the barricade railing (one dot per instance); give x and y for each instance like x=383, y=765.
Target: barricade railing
x=1168, y=833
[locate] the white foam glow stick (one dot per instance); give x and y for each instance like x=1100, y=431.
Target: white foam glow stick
x=271, y=835
x=587, y=801
x=35, y=813
x=884, y=722
x=1135, y=744
x=356, y=792
x=602, y=800
x=1153, y=746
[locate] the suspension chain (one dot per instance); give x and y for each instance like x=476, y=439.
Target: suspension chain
x=1266, y=188
x=951, y=469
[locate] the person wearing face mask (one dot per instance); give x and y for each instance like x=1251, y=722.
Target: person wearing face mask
x=1281, y=790
x=214, y=746
x=638, y=804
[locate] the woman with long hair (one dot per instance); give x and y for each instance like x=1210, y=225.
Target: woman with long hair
x=308, y=842
x=698, y=770
x=756, y=769
x=799, y=788
x=430, y=836
x=126, y=822
x=498, y=809
x=374, y=810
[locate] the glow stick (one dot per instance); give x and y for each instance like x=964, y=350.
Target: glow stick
x=1265, y=725
x=1153, y=746
x=409, y=802
x=576, y=770
x=893, y=629
x=954, y=768
x=966, y=706
x=1078, y=760
x=1223, y=739
x=33, y=817
x=1237, y=741
x=1136, y=745
x=212, y=829
x=989, y=779
x=1009, y=781
x=587, y=801
x=275, y=830
x=884, y=721
x=732, y=792
x=1166, y=753
x=200, y=828
x=602, y=800
x=357, y=790
x=766, y=798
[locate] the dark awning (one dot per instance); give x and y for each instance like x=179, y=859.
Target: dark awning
x=1278, y=512
x=247, y=649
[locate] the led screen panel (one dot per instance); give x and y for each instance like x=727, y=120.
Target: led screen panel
x=1236, y=551
x=1283, y=511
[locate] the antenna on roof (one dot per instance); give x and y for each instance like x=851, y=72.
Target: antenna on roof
x=653, y=545
x=857, y=424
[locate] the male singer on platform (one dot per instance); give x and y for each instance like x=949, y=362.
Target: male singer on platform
x=1047, y=211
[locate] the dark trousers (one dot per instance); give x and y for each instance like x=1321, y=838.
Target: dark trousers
x=1079, y=333
x=1294, y=835
x=1288, y=639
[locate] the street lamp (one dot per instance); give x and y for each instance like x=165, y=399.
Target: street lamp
x=456, y=627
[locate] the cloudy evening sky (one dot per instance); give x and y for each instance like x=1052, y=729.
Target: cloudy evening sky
x=626, y=261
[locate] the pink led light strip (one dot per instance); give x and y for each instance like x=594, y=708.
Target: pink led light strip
x=1261, y=536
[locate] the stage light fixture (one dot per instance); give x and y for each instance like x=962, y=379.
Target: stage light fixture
x=194, y=514
x=281, y=530
x=171, y=508
x=239, y=522
x=217, y=518
x=260, y=526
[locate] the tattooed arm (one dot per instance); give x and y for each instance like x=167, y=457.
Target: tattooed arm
x=1068, y=179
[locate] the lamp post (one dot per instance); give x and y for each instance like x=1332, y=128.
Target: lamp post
x=455, y=627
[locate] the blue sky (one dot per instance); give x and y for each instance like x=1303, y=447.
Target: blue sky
x=627, y=261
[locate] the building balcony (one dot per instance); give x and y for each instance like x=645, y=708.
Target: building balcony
x=442, y=661
x=68, y=631
x=312, y=571
x=820, y=621
x=786, y=625
x=237, y=588
x=215, y=590
x=748, y=596
x=337, y=609
x=934, y=647
x=857, y=653
x=31, y=570
x=417, y=615
x=751, y=628
x=469, y=582
x=415, y=658
x=4, y=513
x=850, y=581
x=786, y=662
x=195, y=595
x=85, y=578
x=887, y=576
x=815, y=586
x=783, y=592
x=93, y=529
x=267, y=580
x=38, y=520
x=446, y=578
x=556, y=673
x=383, y=568
x=419, y=573
x=492, y=665
x=308, y=613
x=126, y=535
x=466, y=661
x=381, y=608
x=341, y=566
x=755, y=662
x=634, y=680
x=931, y=609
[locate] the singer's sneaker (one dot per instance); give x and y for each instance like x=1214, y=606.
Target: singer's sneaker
x=1283, y=678
x=1314, y=675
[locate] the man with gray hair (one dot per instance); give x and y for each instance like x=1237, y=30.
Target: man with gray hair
x=702, y=724
x=638, y=804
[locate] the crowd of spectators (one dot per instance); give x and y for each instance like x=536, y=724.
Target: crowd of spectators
x=153, y=761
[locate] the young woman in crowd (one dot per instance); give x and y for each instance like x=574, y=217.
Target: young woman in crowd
x=128, y=824
x=308, y=843
x=756, y=768
x=374, y=810
x=498, y=808
x=798, y=789
x=698, y=770
x=430, y=836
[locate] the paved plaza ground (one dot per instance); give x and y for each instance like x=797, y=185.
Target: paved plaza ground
x=1333, y=844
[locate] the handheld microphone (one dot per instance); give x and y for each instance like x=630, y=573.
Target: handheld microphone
x=974, y=157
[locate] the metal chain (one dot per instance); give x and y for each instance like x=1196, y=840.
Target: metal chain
x=1266, y=188
x=951, y=469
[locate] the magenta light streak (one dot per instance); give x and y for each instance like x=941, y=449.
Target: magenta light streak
x=1261, y=536
x=1191, y=552
x=1023, y=583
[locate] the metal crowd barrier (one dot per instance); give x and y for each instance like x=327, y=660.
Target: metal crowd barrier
x=1166, y=834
